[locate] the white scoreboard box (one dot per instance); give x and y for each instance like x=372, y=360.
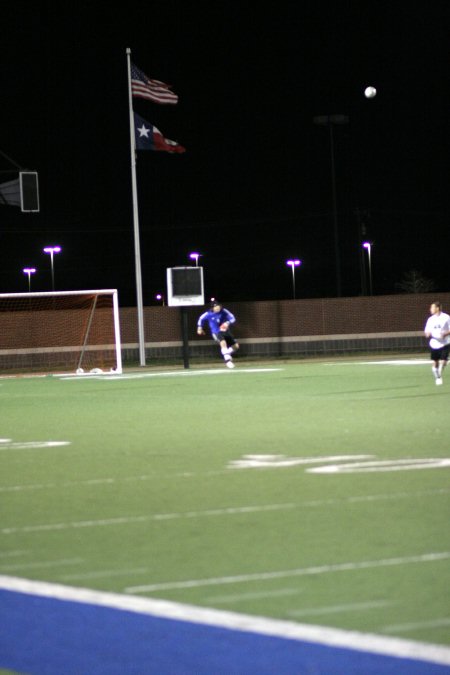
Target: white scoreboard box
x=185, y=286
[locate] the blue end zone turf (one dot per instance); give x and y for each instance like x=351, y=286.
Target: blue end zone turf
x=44, y=636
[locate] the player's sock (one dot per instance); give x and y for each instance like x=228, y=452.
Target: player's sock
x=435, y=372
x=227, y=357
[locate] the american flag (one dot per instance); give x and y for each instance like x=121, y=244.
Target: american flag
x=154, y=90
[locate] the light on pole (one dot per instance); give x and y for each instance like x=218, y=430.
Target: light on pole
x=160, y=298
x=52, y=250
x=29, y=271
x=195, y=256
x=293, y=264
x=330, y=121
x=368, y=246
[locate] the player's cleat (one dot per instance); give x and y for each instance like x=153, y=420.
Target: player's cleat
x=438, y=380
x=229, y=364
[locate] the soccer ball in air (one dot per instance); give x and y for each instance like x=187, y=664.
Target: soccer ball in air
x=370, y=92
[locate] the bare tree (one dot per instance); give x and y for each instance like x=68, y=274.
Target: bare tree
x=414, y=282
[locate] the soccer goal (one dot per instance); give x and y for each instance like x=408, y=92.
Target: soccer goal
x=74, y=331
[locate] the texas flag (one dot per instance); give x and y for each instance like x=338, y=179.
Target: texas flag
x=149, y=137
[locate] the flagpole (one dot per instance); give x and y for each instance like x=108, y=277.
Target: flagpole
x=137, y=253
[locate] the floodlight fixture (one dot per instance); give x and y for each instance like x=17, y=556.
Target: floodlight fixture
x=52, y=250
x=29, y=271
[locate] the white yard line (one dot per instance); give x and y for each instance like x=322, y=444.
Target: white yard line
x=74, y=483
x=414, y=625
x=338, y=609
x=384, y=466
x=12, y=554
x=385, y=362
x=41, y=564
x=261, y=595
x=31, y=445
x=281, y=461
x=285, y=574
x=322, y=635
x=177, y=373
x=125, y=520
x=227, y=511
x=104, y=574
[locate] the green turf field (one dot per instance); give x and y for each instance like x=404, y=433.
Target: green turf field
x=278, y=489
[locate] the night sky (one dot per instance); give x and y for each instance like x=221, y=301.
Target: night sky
x=254, y=186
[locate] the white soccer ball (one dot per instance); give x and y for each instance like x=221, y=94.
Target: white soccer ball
x=370, y=92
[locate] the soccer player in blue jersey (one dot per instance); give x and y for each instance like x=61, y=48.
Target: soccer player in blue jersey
x=219, y=321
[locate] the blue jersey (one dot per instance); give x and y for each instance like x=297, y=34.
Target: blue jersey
x=215, y=319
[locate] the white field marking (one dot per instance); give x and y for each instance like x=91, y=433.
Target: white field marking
x=107, y=481
x=280, y=461
x=24, y=377
x=31, y=445
x=393, y=362
x=262, y=595
x=386, y=465
x=405, y=627
x=398, y=495
x=110, y=481
x=122, y=520
x=397, y=362
x=103, y=574
x=289, y=630
x=178, y=373
x=237, y=510
x=282, y=574
x=338, y=609
x=74, y=483
x=41, y=565
x=5, y=440
x=12, y=554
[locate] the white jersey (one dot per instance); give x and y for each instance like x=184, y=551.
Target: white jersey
x=434, y=326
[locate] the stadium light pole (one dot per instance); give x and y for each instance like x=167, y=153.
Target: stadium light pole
x=330, y=121
x=293, y=264
x=29, y=271
x=368, y=246
x=52, y=250
x=195, y=256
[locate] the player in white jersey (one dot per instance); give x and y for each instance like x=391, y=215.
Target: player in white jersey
x=437, y=329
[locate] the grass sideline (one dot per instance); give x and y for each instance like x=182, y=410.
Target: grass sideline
x=147, y=492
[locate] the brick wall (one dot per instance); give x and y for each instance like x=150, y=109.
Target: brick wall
x=329, y=325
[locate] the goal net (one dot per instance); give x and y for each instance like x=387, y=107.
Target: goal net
x=75, y=331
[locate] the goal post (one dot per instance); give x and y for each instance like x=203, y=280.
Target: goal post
x=75, y=331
